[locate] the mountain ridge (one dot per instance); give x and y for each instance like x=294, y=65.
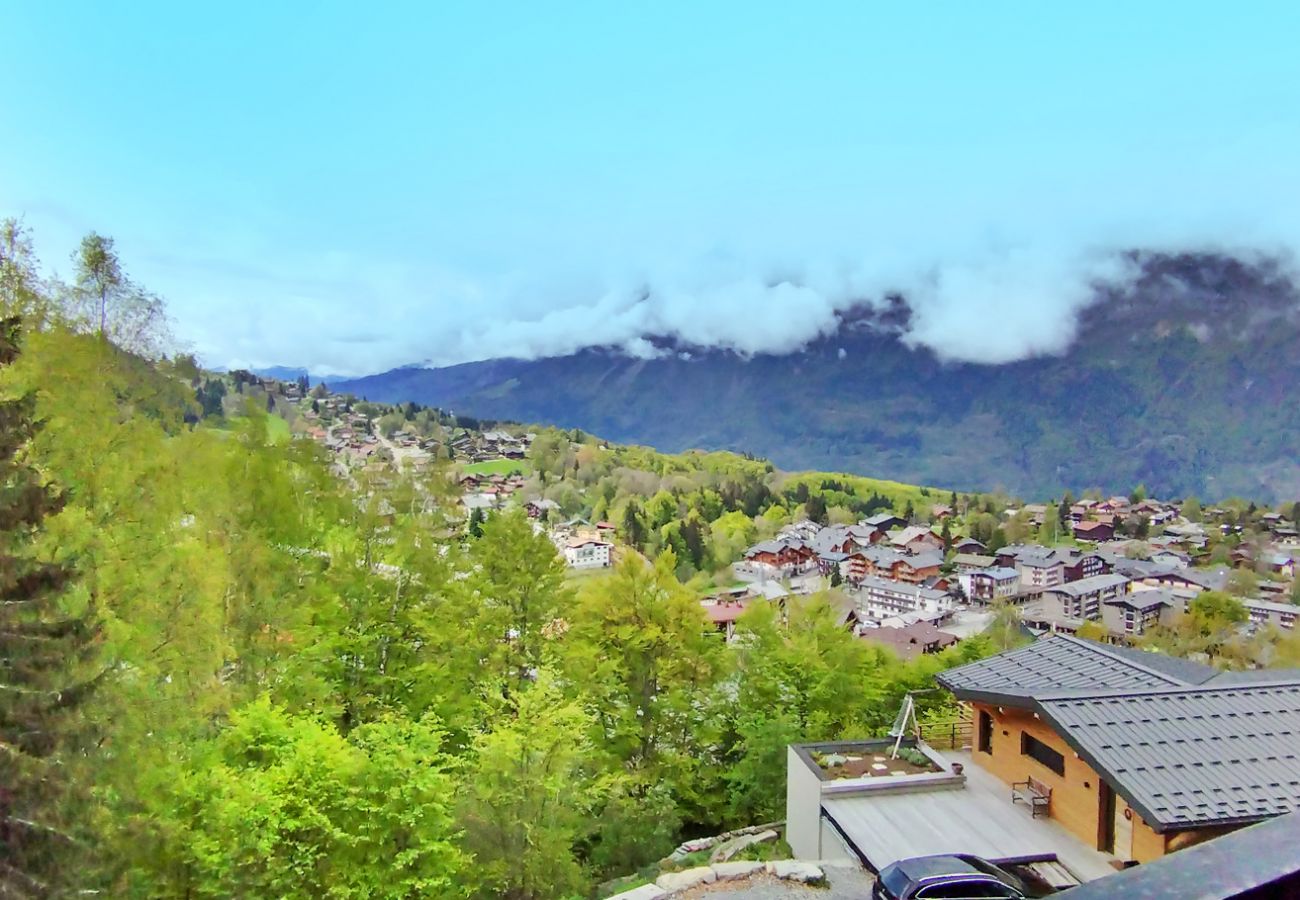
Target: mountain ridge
x=1185, y=377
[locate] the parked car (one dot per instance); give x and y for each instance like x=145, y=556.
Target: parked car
x=948, y=877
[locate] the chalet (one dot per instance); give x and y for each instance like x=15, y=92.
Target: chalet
x=989, y=584
x=835, y=539
x=1094, y=531
x=830, y=562
x=1078, y=566
x=916, y=540
x=865, y=535
x=879, y=598
x=1280, y=563
x=723, y=615
x=1288, y=535
x=917, y=569
x=536, y=509
x=884, y=522
x=1134, y=753
x=1037, y=512
x=969, y=545
x=804, y=530
x=940, y=511
x=966, y=562
x=871, y=561
x=909, y=641
x=588, y=553
x=1171, y=557
x=782, y=556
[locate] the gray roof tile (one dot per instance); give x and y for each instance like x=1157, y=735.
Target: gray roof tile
x=1193, y=756
x=1051, y=664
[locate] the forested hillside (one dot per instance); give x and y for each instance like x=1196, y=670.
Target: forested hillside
x=1185, y=377
x=230, y=672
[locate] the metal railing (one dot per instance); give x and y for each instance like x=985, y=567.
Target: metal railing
x=954, y=735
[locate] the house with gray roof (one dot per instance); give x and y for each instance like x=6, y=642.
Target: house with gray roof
x=1136, y=753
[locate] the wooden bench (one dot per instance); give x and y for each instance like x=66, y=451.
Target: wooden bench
x=1033, y=792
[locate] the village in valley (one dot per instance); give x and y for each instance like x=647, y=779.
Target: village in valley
x=912, y=578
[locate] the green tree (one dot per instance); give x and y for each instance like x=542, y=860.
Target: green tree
x=808, y=680
x=476, y=522
x=284, y=806
x=44, y=678
x=815, y=509
x=1005, y=630
x=20, y=293
x=111, y=305
x=1242, y=583
x=520, y=580
x=645, y=663
x=633, y=525
x=531, y=797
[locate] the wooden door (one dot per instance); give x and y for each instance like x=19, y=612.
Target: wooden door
x=1123, y=830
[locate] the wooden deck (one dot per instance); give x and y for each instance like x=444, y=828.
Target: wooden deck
x=978, y=818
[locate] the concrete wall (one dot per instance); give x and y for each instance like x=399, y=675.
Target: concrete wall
x=803, y=808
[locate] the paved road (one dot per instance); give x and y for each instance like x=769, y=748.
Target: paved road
x=844, y=884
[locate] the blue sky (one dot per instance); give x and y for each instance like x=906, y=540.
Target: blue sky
x=350, y=188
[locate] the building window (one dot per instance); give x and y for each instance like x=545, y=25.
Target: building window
x=1035, y=749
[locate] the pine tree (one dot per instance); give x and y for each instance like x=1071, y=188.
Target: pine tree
x=44, y=652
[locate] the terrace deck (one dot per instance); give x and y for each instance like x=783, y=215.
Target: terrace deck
x=978, y=818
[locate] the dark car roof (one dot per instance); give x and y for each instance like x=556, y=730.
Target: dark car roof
x=919, y=868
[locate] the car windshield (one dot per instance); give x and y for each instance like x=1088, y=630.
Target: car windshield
x=996, y=872
x=895, y=881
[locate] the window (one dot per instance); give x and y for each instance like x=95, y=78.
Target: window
x=1035, y=749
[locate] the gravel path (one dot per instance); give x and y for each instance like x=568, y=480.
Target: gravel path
x=844, y=884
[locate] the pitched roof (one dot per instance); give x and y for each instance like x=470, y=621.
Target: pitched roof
x=907, y=535
x=1088, y=585
x=881, y=520
x=1245, y=863
x=927, y=560
x=725, y=611
x=973, y=559
x=1191, y=756
x=1185, y=745
x=1053, y=664
x=829, y=538
x=1185, y=670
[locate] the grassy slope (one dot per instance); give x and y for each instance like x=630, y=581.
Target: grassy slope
x=498, y=467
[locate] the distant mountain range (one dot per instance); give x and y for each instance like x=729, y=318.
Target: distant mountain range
x=1185, y=379
x=293, y=373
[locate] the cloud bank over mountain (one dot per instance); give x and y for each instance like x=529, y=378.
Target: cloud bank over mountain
x=994, y=306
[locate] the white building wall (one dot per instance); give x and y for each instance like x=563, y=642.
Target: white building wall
x=803, y=808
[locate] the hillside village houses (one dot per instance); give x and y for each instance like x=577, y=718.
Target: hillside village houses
x=893, y=570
